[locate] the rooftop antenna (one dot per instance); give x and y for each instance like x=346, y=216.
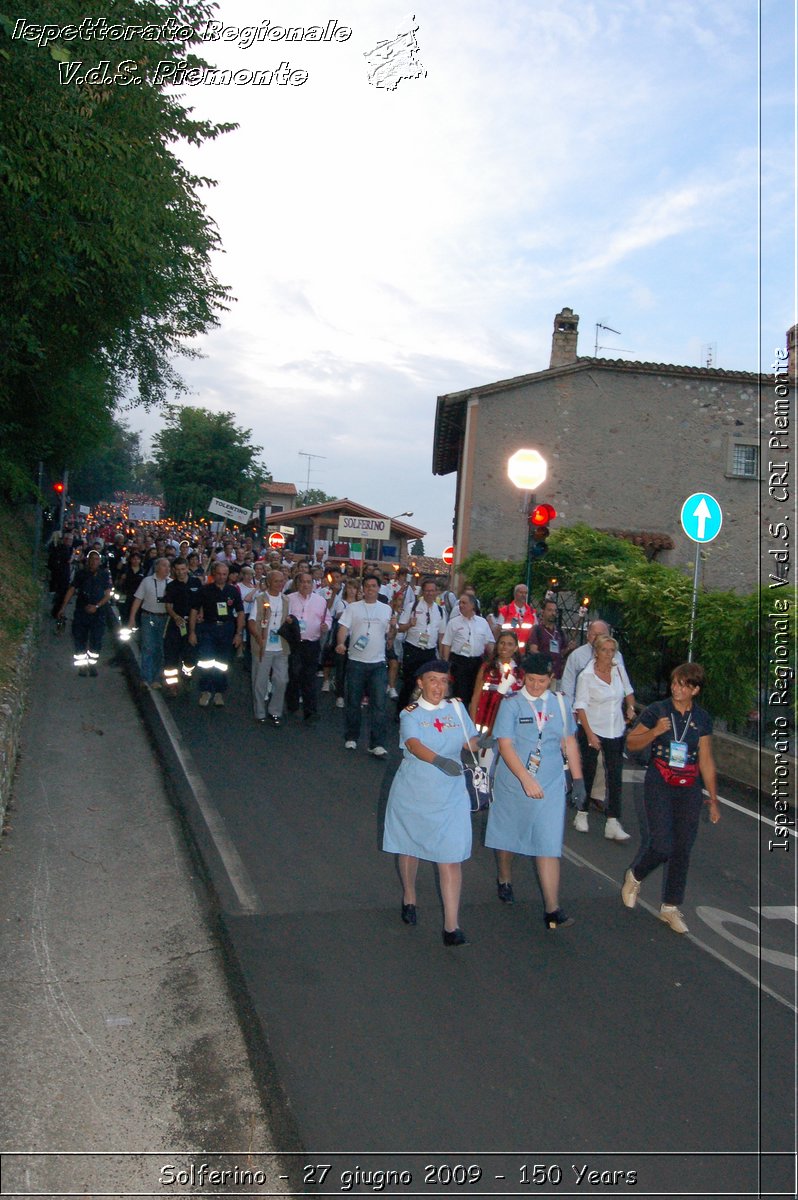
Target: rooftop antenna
x=709, y=354
x=617, y=349
x=304, y=454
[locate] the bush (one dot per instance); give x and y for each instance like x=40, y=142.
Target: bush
x=648, y=606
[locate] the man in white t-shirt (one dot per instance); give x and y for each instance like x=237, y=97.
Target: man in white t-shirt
x=370, y=624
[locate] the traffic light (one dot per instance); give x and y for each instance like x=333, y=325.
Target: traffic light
x=539, y=520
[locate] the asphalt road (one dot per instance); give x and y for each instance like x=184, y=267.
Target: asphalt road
x=527, y=1060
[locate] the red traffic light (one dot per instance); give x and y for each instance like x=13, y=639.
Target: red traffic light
x=58, y=487
x=541, y=514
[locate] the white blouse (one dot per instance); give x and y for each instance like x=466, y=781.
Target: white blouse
x=603, y=701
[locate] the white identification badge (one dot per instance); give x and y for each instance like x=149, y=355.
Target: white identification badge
x=274, y=637
x=554, y=646
x=221, y=608
x=302, y=625
x=465, y=648
x=678, y=754
x=361, y=642
x=532, y=764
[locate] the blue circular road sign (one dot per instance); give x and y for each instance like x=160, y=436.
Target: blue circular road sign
x=701, y=517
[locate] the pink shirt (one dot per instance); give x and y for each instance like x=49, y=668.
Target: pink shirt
x=311, y=612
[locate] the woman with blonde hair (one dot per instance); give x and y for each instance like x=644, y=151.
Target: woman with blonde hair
x=604, y=705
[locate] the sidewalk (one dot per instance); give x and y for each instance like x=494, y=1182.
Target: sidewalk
x=118, y=1029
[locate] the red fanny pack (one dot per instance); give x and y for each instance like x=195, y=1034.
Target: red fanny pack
x=677, y=776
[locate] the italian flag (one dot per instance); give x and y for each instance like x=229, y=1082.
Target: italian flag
x=355, y=552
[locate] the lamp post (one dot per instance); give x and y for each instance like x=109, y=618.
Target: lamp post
x=527, y=469
x=392, y=519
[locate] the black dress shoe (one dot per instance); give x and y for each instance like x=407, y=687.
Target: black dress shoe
x=409, y=914
x=505, y=891
x=454, y=937
x=557, y=919
x=276, y=722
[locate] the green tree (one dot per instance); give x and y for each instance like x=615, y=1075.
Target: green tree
x=202, y=454
x=313, y=496
x=146, y=479
x=110, y=468
x=106, y=247
x=418, y=548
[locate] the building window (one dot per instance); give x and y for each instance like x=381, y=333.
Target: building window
x=743, y=460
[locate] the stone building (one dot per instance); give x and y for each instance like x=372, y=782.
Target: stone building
x=625, y=442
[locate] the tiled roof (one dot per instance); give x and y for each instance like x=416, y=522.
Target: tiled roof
x=280, y=489
x=649, y=541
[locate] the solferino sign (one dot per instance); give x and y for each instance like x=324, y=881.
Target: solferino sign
x=376, y=529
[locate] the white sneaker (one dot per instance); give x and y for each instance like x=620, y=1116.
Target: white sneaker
x=580, y=822
x=218, y=700
x=614, y=831
x=325, y=687
x=630, y=889
x=350, y=745
x=670, y=914
x=378, y=751
x=205, y=699
x=392, y=694
x=340, y=702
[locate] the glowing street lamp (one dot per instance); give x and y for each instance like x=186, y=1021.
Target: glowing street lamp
x=527, y=469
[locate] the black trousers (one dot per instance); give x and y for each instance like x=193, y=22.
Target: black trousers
x=413, y=657
x=673, y=814
x=464, y=669
x=612, y=749
x=302, y=667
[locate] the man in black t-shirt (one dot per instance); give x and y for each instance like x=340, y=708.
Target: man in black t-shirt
x=180, y=597
x=92, y=591
x=219, y=611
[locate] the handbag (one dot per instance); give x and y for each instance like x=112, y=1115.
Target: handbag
x=478, y=780
x=677, y=776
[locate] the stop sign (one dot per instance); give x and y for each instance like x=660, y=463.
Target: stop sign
x=448, y=555
x=276, y=540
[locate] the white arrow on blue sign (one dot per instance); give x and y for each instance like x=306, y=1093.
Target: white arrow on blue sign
x=702, y=517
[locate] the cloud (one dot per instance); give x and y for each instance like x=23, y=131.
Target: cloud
x=386, y=247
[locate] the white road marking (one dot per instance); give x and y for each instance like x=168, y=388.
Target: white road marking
x=719, y=918
x=579, y=861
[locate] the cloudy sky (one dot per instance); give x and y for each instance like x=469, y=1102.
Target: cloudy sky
x=388, y=246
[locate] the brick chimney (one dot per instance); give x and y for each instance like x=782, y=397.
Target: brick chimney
x=563, y=340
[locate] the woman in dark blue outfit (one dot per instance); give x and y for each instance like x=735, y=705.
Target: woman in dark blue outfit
x=680, y=736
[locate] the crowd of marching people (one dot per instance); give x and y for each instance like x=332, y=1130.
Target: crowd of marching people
x=534, y=712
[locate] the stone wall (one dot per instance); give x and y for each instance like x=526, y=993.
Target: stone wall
x=625, y=448
x=13, y=699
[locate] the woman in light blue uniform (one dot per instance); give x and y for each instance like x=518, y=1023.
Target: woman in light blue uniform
x=528, y=811
x=429, y=814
